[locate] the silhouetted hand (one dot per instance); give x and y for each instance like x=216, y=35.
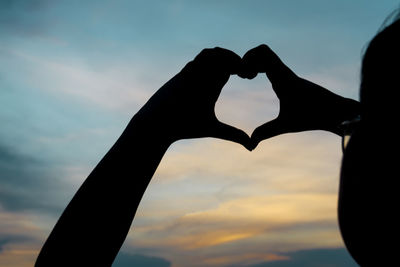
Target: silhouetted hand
x=303, y=104
x=184, y=106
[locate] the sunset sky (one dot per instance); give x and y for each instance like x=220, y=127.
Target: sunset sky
x=72, y=74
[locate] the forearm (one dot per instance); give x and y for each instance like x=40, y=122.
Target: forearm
x=94, y=225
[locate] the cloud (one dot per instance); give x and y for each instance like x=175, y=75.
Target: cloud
x=248, y=218
x=129, y=260
x=116, y=87
x=20, y=238
x=212, y=202
x=189, y=207
x=23, y=17
x=2, y=243
x=337, y=257
x=30, y=184
x=18, y=177
x=22, y=234
x=301, y=158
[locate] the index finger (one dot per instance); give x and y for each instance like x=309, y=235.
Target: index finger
x=219, y=60
x=262, y=59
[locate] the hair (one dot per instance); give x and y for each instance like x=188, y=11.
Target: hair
x=367, y=193
x=390, y=19
x=380, y=70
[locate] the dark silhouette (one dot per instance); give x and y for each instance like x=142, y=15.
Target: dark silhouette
x=368, y=193
x=368, y=197
x=94, y=225
x=303, y=105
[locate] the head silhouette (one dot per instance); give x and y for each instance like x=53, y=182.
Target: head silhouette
x=368, y=199
x=380, y=71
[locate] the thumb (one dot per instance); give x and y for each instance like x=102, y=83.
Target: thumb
x=230, y=133
x=265, y=131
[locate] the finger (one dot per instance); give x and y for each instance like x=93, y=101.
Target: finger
x=254, y=62
x=265, y=131
x=219, y=60
x=230, y=133
x=262, y=59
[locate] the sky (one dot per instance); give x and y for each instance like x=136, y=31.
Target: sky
x=72, y=74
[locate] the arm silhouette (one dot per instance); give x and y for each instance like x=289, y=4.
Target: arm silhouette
x=95, y=223
x=303, y=105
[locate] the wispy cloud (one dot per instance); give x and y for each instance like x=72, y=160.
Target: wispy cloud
x=73, y=73
x=23, y=18
x=128, y=260
x=112, y=88
x=304, y=258
x=23, y=178
x=20, y=238
x=222, y=198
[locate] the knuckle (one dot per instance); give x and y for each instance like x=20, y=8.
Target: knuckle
x=263, y=46
x=264, y=49
x=205, y=52
x=205, y=55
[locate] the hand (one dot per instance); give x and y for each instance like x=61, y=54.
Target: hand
x=184, y=107
x=303, y=105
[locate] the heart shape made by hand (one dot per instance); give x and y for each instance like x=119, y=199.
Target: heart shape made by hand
x=184, y=107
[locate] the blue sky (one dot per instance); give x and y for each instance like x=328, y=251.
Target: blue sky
x=72, y=73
